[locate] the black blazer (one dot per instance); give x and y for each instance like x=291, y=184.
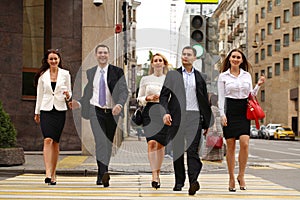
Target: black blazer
x=116, y=83
x=173, y=97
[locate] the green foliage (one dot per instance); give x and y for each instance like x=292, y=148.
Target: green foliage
x=8, y=134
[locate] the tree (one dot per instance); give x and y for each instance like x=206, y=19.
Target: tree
x=8, y=133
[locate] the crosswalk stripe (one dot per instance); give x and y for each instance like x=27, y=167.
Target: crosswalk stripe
x=213, y=186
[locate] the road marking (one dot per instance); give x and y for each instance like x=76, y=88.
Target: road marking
x=71, y=162
x=291, y=165
x=213, y=186
x=274, y=151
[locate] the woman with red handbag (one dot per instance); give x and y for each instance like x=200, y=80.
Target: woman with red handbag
x=213, y=149
x=234, y=87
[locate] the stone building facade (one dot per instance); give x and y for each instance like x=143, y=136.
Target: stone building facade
x=269, y=34
x=28, y=28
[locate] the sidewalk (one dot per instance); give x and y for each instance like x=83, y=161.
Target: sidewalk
x=131, y=158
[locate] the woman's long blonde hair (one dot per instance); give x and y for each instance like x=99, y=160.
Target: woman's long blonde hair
x=166, y=64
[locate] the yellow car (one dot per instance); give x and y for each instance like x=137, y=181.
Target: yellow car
x=284, y=132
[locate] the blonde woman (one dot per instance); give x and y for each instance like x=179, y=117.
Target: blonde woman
x=148, y=96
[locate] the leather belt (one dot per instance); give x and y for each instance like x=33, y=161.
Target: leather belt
x=105, y=110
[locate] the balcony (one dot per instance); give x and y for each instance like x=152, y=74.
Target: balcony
x=230, y=38
x=236, y=32
x=236, y=15
x=240, y=27
x=240, y=10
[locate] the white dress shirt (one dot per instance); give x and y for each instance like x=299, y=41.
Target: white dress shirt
x=235, y=87
x=190, y=89
x=95, y=99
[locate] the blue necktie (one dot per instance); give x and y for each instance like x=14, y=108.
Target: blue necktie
x=102, y=89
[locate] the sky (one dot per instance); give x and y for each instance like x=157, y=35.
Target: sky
x=155, y=15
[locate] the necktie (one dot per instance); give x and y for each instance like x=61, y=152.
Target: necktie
x=102, y=89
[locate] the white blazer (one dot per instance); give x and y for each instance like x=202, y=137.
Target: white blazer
x=47, y=98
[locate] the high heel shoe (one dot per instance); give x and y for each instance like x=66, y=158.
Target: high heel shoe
x=231, y=189
x=241, y=187
x=47, y=180
x=155, y=184
x=52, y=183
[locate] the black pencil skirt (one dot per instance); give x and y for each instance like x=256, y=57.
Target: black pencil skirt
x=153, y=125
x=237, y=123
x=52, y=123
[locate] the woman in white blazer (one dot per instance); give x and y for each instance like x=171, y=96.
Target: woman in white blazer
x=53, y=90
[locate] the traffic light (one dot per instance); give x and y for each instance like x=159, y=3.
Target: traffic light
x=198, y=33
x=212, y=39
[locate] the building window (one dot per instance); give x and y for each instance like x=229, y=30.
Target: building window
x=277, y=2
x=256, y=37
x=269, y=72
x=269, y=50
x=277, y=45
x=263, y=13
x=277, y=69
x=256, y=2
x=277, y=22
x=270, y=29
x=35, y=36
x=256, y=58
x=256, y=77
x=262, y=54
x=286, y=15
x=296, y=60
x=286, y=64
x=256, y=19
x=286, y=40
x=263, y=34
x=262, y=96
x=296, y=34
x=262, y=72
x=269, y=6
x=296, y=8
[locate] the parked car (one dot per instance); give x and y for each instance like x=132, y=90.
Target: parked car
x=284, y=132
x=262, y=132
x=253, y=133
x=270, y=129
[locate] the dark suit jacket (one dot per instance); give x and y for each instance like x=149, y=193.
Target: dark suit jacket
x=116, y=83
x=173, y=97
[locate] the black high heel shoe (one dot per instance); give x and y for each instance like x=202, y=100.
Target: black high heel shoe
x=47, y=180
x=241, y=187
x=155, y=184
x=231, y=189
x=52, y=183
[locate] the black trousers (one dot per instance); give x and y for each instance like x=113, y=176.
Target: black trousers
x=186, y=137
x=104, y=126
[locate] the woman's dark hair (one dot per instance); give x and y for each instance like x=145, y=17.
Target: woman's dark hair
x=245, y=65
x=45, y=65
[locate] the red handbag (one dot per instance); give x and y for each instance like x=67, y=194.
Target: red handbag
x=254, y=111
x=214, y=141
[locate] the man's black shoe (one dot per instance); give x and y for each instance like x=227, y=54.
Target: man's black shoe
x=99, y=182
x=105, y=179
x=178, y=187
x=194, y=187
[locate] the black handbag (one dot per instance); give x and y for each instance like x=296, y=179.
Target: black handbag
x=137, y=117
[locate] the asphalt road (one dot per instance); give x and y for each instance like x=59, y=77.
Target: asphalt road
x=275, y=160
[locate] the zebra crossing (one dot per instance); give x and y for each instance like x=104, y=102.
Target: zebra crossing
x=213, y=186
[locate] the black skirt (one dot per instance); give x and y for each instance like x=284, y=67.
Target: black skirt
x=154, y=128
x=52, y=123
x=237, y=123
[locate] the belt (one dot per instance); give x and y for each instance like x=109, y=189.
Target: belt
x=105, y=110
